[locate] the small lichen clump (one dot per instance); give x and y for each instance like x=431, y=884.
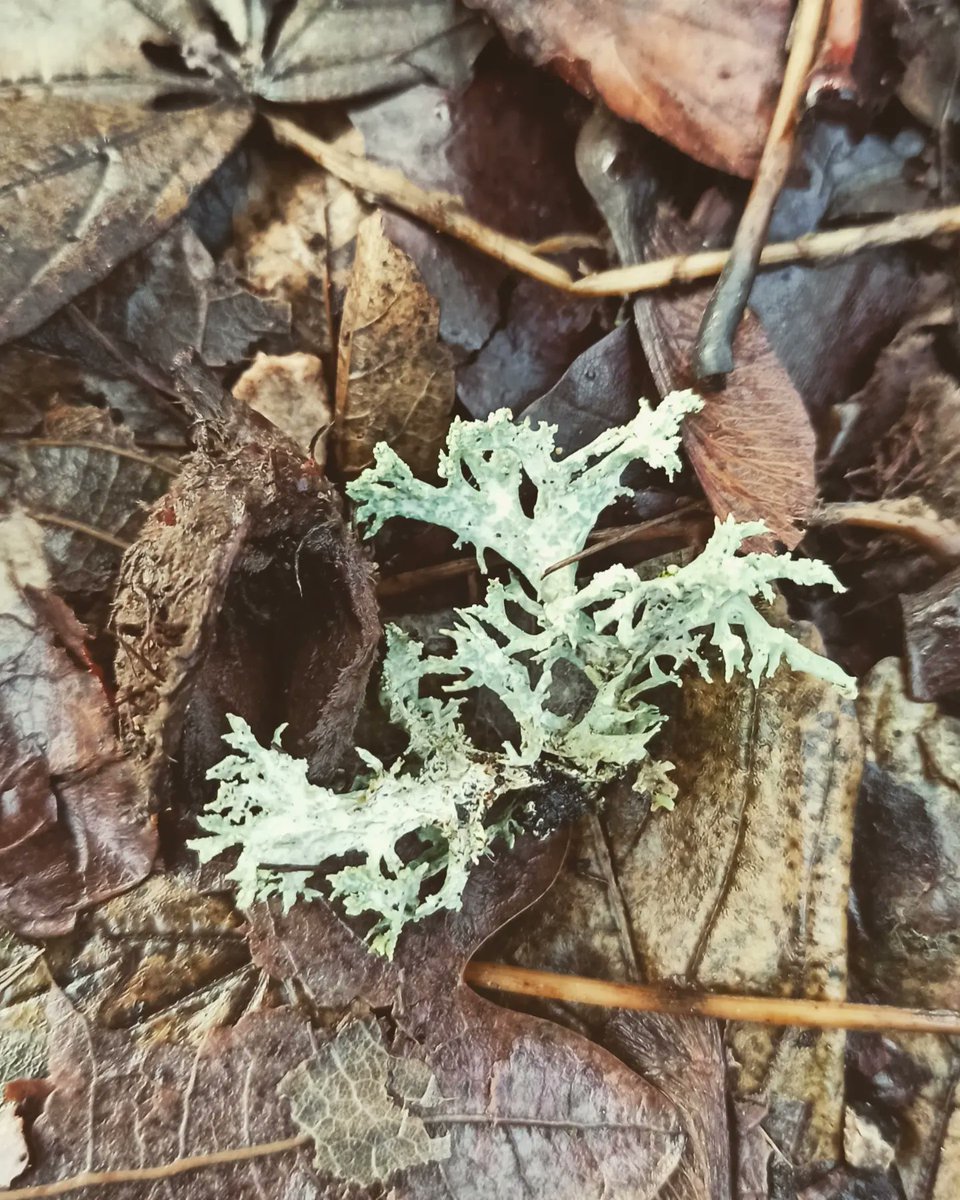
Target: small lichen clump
x=623, y=636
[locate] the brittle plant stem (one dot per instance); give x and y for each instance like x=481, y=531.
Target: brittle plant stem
x=764, y=1010
x=444, y=212
x=713, y=354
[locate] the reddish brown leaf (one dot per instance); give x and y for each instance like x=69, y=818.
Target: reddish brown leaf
x=74, y=827
x=395, y=378
x=752, y=446
x=532, y=1107
x=702, y=76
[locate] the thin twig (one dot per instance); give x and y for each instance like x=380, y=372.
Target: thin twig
x=90, y=531
x=810, y=248
x=441, y=210
x=391, y=187
x=713, y=354
x=180, y=1166
x=764, y=1010
x=936, y=537
x=419, y=578
x=675, y=524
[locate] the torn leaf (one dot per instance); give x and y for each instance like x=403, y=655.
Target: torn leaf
x=364, y=1108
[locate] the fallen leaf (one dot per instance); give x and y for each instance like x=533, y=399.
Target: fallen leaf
x=245, y=593
x=81, y=467
x=169, y=299
x=93, y=164
x=706, y=897
x=931, y=631
x=165, y=961
x=395, y=379
x=25, y=980
x=599, y=390
x=84, y=185
x=280, y=246
x=118, y=1104
x=514, y=338
x=510, y=1111
x=907, y=862
x=752, y=445
x=74, y=827
x=358, y=1103
x=289, y=390
x=703, y=79
x=839, y=314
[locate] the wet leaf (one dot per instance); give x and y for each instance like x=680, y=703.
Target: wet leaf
x=704, y=79
x=245, y=593
x=752, y=445
x=505, y=1077
x=74, y=827
x=395, y=378
x=81, y=467
x=93, y=162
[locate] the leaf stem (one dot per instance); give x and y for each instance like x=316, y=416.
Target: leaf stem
x=764, y=1010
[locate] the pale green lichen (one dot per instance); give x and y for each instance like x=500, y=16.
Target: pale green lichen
x=621, y=635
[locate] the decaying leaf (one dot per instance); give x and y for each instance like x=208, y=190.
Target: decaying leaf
x=169, y=299
x=81, y=468
x=289, y=390
x=752, y=445
x=117, y=1104
x=527, y=1104
x=931, y=630
x=74, y=827
x=280, y=246
x=358, y=1103
x=513, y=337
x=395, y=379
x=703, y=78
x=245, y=593
x=24, y=981
x=907, y=865
x=93, y=164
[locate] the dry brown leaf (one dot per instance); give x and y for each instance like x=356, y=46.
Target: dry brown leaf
x=74, y=827
x=290, y=391
x=395, y=379
x=708, y=895
x=702, y=76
